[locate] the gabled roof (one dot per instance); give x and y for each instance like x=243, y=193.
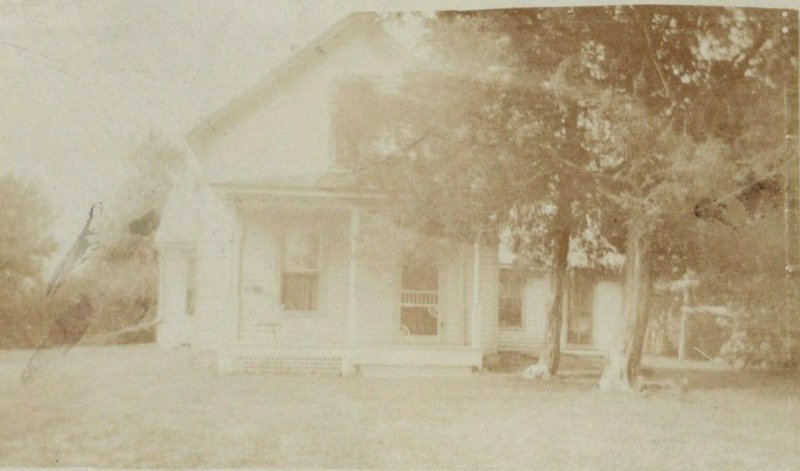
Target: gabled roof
x=355, y=24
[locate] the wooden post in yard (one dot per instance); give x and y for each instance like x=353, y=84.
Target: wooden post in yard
x=352, y=300
x=475, y=319
x=684, y=324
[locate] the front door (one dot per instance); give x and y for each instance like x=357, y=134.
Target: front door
x=419, y=300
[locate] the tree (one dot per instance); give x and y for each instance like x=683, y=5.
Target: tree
x=658, y=93
x=126, y=259
x=25, y=245
x=481, y=145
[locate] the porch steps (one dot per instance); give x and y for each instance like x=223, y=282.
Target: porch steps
x=377, y=361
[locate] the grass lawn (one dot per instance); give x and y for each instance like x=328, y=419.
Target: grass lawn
x=137, y=406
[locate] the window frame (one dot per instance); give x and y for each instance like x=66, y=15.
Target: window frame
x=302, y=271
x=520, y=280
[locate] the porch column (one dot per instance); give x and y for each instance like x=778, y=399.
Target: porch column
x=348, y=365
x=234, y=231
x=352, y=301
x=476, y=318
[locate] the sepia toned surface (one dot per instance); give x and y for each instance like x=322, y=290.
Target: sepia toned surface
x=135, y=407
x=533, y=237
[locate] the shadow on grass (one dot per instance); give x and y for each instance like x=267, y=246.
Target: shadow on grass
x=731, y=378
x=583, y=369
x=514, y=362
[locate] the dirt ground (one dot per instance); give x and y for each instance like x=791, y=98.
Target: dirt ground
x=137, y=406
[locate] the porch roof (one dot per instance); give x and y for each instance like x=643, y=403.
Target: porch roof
x=335, y=184
x=323, y=179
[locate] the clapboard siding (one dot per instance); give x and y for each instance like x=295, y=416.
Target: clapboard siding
x=238, y=254
x=292, y=132
x=377, y=288
x=216, y=241
x=451, y=298
x=529, y=337
x=261, y=320
x=606, y=315
x=488, y=294
x=607, y=312
x=176, y=327
x=377, y=276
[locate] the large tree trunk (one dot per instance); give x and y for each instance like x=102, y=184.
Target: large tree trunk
x=550, y=353
x=624, y=357
x=551, y=349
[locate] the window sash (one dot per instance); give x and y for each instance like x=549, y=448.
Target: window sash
x=301, y=253
x=300, y=291
x=511, y=311
x=300, y=258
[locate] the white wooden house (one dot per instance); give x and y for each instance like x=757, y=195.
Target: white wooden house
x=262, y=259
x=591, y=314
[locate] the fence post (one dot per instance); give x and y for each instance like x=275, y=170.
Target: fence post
x=684, y=324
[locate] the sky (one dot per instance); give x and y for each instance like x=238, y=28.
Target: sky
x=82, y=82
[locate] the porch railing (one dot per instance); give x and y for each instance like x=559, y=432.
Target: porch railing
x=417, y=298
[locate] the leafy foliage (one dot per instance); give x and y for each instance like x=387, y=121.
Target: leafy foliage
x=126, y=260
x=25, y=245
x=625, y=109
x=120, y=278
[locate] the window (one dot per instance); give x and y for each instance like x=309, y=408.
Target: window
x=300, y=280
x=191, y=285
x=511, y=284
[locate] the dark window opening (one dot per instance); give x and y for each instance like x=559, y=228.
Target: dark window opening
x=581, y=300
x=300, y=278
x=510, y=309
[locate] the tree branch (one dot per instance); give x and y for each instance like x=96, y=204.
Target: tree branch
x=595, y=176
x=400, y=151
x=651, y=54
x=125, y=330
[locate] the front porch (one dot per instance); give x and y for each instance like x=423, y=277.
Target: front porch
x=340, y=303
